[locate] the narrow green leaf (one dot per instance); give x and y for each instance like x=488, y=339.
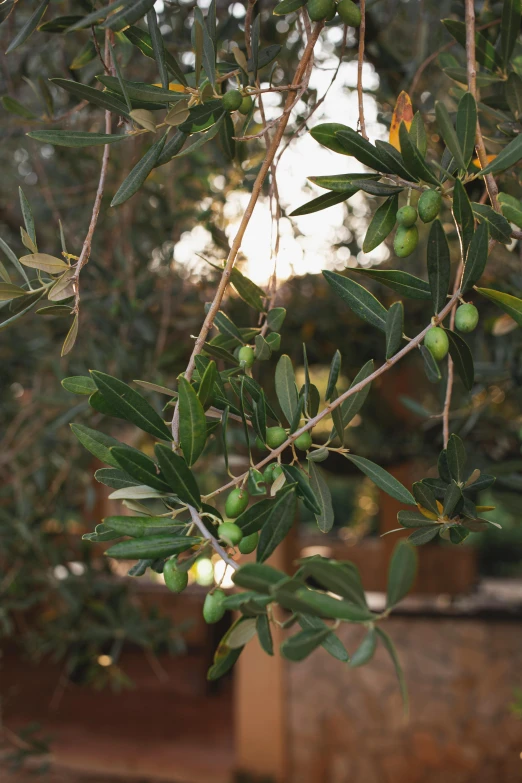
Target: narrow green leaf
x=79, y=384
x=258, y=576
x=463, y=215
x=462, y=358
x=158, y=47
x=131, y=405
x=514, y=93
x=275, y=318
x=353, y=404
x=509, y=28
x=131, y=13
x=402, y=282
x=97, y=443
x=401, y=573
x=151, y=547
x=448, y=133
x=328, y=606
x=439, y=265
x=288, y=7
x=393, y=159
x=418, y=133
x=509, y=157
x=394, y=328
x=104, y=99
x=139, y=467
x=366, y=650
x=28, y=217
x=354, y=144
x=9, y=291
x=511, y=208
x=324, y=201
x=335, y=368
x=398, y=668
x=358, y=299
x=325, y=519
x=140, y=527
x=415, y=518
x=208, y=53
x=456, y=456
x=509, y=304
x=45, y=262
x=285, y=387
x=382, y=479
x=264, y=634
x=302, y=644
x=381, y=224
x=143, y=42
x=178, y=475
x=114, y=478
x=477, y=257
x=484, y=51
x=135, y=179
x=340, y=182
x=425, y=497
x=13, y=259
x=325, y=134
x=341, y=578
x=29, y=27
x=413, y=159
x=15, y=107
x=192, y=422
x=331, y=644
x=431, y=367
x=277, y=525
x=452, y=496
x=467, y=126
x=67, y=138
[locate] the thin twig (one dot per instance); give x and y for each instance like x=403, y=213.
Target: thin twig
x=209, y=537
x=360, y=63
x=471, y=68
x=414, y=343
x=256, y=191
x=87, y=243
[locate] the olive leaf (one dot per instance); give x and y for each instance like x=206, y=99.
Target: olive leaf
x=463, y=214
x=509, y=304
x=285, y=387
x=135, y=179
x=192, y=422
x=402, y=282
x=394, y=328
x=439, y=265
x=381, y=224
x=382, y=479
x=358, y=299
x=29, y=27
x=477, y=257
x=325, y=519
x=462, y=358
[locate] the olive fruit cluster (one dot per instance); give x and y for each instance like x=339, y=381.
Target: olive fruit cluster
x=276, y=436
x=349, y=12
x=234, y=100
x=407, y=234
x=436, y=339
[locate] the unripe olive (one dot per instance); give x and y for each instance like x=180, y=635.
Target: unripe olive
x=407, y=216
x=303, y=442
x=275, y=436
x=260, y=444
x=175, y=579
x=213, y=609
x=248, y=543
x=405, y=241
x=246, y=104
x=236, y=503
x=246, y=355
x=230, y=533
x=437, y=343
x=466, y=318
x=276, y=471
x=349, y=13
x=320, y=9
x=428, y=205
x=232, y=100
x=268, y=473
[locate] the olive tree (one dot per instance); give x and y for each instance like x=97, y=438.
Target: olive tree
x=210, y=89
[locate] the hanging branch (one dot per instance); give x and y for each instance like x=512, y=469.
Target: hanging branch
x=360, y=63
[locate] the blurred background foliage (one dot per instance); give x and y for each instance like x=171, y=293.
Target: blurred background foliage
x=140, y=305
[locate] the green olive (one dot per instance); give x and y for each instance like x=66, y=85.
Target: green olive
x=405, y=241
x=260, y=444
x=428, y=205
x=276, y=471
x=349, y=13
x=175, y=579
x=232, y=100
x=303, y=442
x=437, y=343
x=213, y=609
x=230, y=533
x=275, y=436
x=246, y=356
x=466, y=318
x=407, y=216
x=268, y=472
x=320, y=9
x=236, y=503
x=246, y=104
x=248, y=543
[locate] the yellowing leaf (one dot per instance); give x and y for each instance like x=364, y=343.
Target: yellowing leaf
x=426, y=513
x=489, y=158
x=403, y=112
x=482, y=509
x=173, y=86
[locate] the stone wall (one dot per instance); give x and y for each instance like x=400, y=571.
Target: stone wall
x=347, y=725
